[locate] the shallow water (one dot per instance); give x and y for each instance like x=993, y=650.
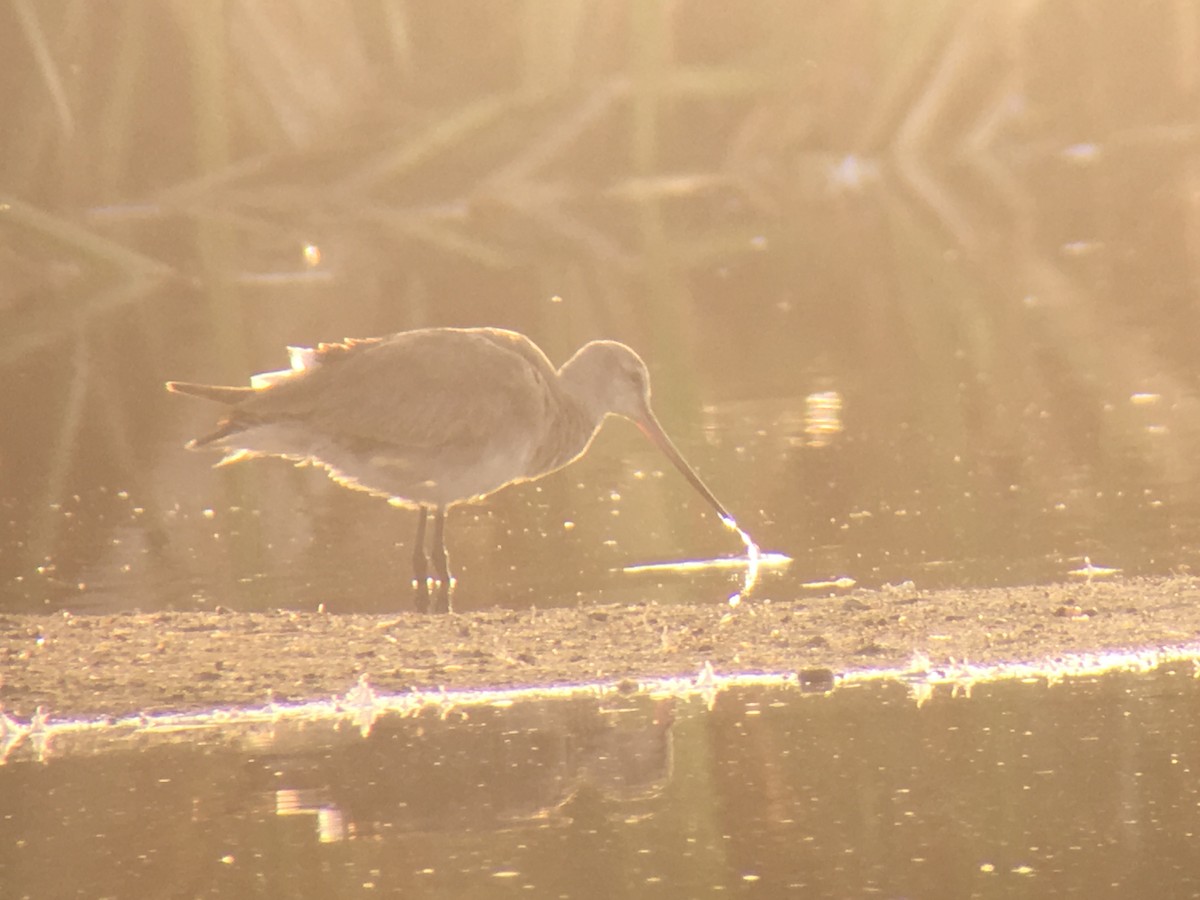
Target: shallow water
x=1083, y=787
x=917, y=289
x=943, y=335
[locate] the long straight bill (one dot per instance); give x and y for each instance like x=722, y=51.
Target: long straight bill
x=658, y=437
x=650, y=427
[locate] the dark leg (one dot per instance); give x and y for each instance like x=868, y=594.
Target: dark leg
x=441, y=561
x=420, y=564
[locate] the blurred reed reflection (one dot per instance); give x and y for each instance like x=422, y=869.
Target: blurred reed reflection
x=975, y=224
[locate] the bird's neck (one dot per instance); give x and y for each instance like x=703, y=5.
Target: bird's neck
x=574, y=424
x=577, y=381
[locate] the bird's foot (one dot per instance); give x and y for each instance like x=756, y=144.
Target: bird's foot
x=421, y=594
x=445, y=587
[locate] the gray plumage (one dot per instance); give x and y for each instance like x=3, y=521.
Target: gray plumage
x=437, y=416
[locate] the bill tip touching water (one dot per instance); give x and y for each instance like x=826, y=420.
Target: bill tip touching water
x=440, y=416
x=751, y=565
x=753, y=558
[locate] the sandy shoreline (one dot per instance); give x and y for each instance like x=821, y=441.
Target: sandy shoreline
x=157, y=662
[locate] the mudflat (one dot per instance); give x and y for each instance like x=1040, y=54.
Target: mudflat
x=96, y=665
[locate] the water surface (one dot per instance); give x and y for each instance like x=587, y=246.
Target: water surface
x=1085, y=787
x=917, y=289
x=917, y=295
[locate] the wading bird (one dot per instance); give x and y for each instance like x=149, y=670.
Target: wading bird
x=435, y=417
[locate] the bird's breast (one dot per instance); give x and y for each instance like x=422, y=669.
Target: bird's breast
x=566, y=437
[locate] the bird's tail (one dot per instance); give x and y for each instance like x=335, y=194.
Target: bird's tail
x=216, y=438
x=230, y=396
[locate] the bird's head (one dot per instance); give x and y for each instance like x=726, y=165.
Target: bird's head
x=605, y=378
x=608, y=377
